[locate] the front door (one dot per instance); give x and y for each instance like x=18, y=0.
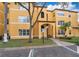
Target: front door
x=50, y=31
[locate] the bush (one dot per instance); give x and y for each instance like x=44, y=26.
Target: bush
x=61, y=37
x=1, y=37
x=35, y=37
x=65, y=38
x=68, y=38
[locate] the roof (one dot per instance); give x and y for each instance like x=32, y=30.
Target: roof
x=63, y=10
x=56, y=9
x=40, y=6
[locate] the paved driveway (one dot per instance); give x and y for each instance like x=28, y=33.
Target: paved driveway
x=54, y=52
x=14, y=53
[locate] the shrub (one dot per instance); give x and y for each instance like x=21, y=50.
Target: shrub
x=65, y=38
x=1, y=37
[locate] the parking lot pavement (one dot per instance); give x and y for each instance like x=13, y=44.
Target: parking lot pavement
x=54, y=52
x=14, y=53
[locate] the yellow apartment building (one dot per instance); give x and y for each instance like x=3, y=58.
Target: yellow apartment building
x=1, y=19
x=47, y=25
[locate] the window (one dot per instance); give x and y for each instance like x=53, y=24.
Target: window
x=23, y=32
x=69, y=15
x=24, y=19
x=60, y=22
x=54, y=15
x=61, y=32
x=8, y=3
x=27, y=32
x=16, y=3
x=60, y=13
x=42, y=28
x=20, y=32
x=42, y=14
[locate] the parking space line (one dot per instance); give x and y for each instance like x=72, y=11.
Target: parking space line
x=31, y=53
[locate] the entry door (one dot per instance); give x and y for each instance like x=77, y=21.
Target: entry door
x=50, y=31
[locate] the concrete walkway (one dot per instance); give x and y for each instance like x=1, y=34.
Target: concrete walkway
x=58, y=42
x=67, y=45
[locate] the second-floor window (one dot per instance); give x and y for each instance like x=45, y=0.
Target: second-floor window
x=24, y=19
x=60, y=22
x=42, y=14
x=60, y=13
x=69, y=15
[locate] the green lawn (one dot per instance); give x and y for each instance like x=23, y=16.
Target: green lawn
x=24, y=42
x=74, y=40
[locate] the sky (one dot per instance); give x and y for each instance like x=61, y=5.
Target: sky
x=74, y=6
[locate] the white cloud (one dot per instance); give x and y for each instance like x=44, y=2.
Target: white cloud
x=71, y=6
x=52, y=7
x=75, y=10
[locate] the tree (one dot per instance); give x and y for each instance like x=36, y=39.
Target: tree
x=31, y=14
x=64, y=5
x=5, y=22
x=65, y=27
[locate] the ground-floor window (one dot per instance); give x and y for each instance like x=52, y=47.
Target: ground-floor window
x=42, y=28
x=61, y=32
x=23, y=32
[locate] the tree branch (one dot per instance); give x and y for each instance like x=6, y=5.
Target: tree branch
x=23, y=6
x=33, y=10
x=39, y=14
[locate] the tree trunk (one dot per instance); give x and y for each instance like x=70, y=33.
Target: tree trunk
x=30, y=31
x=5, y=22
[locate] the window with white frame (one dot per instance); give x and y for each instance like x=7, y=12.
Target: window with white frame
x=24, y=4
x=60, y=22
x=60, y=13
x=23, y=32
x=61, y=32
x=24, y=19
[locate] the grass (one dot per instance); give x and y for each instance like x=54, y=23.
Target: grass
x=74, y=40
x=24, y=42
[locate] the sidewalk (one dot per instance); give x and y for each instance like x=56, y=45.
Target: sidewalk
x=70, y=46
x=58, y=42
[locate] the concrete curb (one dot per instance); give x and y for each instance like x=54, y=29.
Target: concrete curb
x=29, y=47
